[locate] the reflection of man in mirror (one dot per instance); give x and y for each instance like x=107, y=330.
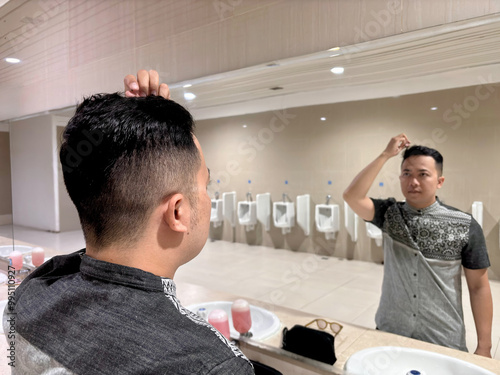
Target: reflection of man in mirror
x=141, y=195
x=426, y=243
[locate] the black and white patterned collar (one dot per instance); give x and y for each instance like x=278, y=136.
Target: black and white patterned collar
x=421, y=211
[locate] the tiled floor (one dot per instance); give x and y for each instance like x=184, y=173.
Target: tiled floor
x=342, y=289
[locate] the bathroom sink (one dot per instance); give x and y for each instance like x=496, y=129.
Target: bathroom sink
x=264, y=322
x=393, y=360
x=7, y=249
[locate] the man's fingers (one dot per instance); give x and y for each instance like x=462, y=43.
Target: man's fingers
x=131, y=86
x=146, y=83
x=164, y=91
x=154, y=82
x=143, y=80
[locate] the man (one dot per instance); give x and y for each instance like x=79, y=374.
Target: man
x=425, y=245
x=138, y=178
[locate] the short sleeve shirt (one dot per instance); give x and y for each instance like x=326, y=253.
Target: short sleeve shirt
x=424, y=250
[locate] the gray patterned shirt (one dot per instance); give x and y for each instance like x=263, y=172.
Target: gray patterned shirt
x=423, y=254
x=78, y=315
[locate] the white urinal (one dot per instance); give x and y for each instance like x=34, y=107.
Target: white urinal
x=247, y=214
x=374, y=232
x=327, y=219
x=284, y=216
x=216, y=216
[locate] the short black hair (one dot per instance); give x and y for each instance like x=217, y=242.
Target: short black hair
x=121, y=157
x=425, y=151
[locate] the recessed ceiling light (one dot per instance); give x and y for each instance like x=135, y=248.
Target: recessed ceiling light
x=12, y=60
x=189, y=96
x=334, y=49
x=323, y=118
x=434, y=108
x=187, y=85
x=245, y=125
x=337, y=70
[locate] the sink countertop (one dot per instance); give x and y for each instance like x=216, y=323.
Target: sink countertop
x=350, y=340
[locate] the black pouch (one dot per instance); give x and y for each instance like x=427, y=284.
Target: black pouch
x=310, y=343
x=262, y=369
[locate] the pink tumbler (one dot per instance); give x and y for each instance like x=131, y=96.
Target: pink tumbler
x=242, y=320
x=37, y=256
x=218, y=318
x=17, y=260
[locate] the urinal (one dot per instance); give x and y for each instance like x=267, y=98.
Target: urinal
x=216, y=216
x=374, y=232
x=247, y=214
x=284, y=216
x=327, y=219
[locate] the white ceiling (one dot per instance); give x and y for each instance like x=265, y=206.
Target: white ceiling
x=74, y=47
x=462, y=54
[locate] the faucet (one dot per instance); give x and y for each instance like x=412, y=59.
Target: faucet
x=249, y=197
x=216, y=195
x=285, y=196
x=328, y=197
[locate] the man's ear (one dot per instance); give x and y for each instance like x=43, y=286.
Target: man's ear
x=440, y=182
x=177, y=213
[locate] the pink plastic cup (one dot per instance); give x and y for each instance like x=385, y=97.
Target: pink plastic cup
x=218, y=318
x=37, y=256
x=17, y=260
x=242, y=320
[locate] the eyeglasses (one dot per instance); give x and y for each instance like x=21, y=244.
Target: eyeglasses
x=322, y=324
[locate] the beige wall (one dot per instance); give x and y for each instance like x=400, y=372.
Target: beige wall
x=295, y=145
x=5, y=178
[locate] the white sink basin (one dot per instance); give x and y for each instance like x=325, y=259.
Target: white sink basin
x=7, y=249
x=393, y=360
x=264, y=322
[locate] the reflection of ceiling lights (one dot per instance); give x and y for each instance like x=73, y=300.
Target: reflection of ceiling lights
x=337, y=70
x=245, y=126
x=334, y=49
x=189, y=96
x=323, y=118
x=12, y=60
x=434, y=108
x=187, y=85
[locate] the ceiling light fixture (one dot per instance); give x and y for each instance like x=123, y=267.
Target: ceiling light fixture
x=244, y=125
x=323, y=118
x=189, y=96
x=12, y=60
x=434, y=108
x=334, y=49
x=337, y=70
x=187, y=85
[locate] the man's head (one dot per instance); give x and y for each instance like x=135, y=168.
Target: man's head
x=121, y=158
x=421, y=175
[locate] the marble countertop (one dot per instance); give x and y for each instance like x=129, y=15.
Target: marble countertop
x=349, y=341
